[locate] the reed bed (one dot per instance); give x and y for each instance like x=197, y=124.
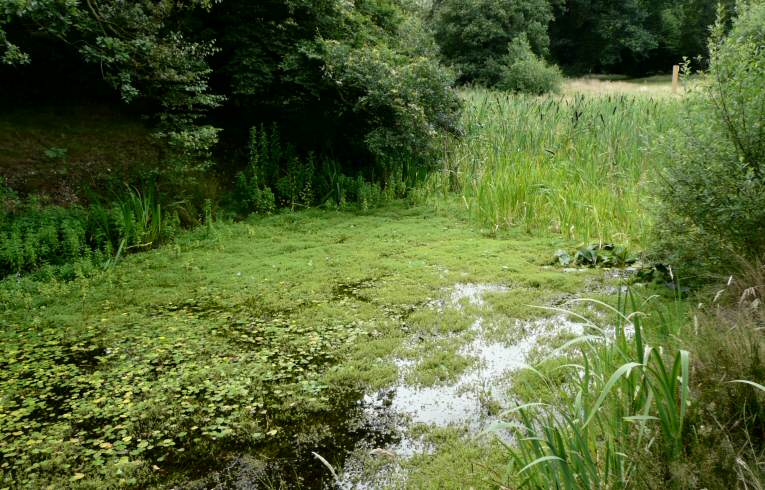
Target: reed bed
x=578, y=165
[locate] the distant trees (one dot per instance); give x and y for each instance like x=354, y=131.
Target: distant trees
x=626, y=36
x=630, y=36
x=474, y=35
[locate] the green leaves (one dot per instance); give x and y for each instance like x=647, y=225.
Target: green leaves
x=474, y=34
x=712, y=198
x=609, y=412
x=217, y=378
x=141, y=54
x=596, y=255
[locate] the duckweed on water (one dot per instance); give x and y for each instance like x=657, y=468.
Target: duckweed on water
x=249, y=343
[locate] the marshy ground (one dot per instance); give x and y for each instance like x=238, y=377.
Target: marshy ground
x=383, y=341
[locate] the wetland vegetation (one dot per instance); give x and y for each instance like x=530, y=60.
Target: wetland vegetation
x=369, y=245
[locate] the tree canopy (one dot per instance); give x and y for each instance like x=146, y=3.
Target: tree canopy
x=351, y=81
x=355, y=81
x=474, y=34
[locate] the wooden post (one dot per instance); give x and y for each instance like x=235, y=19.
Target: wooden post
x=675, y=78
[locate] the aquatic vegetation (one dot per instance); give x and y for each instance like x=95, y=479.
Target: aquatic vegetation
x=180, y=361
x=579, y=166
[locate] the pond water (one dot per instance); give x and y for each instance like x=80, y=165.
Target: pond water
x=381, y=425
x=464, y=403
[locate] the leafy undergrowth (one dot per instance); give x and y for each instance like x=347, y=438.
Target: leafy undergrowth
x=60, y=150
x=244, y=338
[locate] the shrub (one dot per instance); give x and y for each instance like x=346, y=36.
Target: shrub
x=526, y=72
x=352, y=81
x=712, y=203
x=36, y=235
x=251, y=191
x=401, y=103
x=473, y=34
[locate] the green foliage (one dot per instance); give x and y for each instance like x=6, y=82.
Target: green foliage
x=408, y=101
x=143, y=54
x=474, y=35
x=526, y=72
x=596, y=255
x=712, y=203
x=623, y=397
x=632, y=36
x=33, y=234
x=134, y=220
x=252, y=193
x=364, y=71
x=277, y=176
x=727, y=418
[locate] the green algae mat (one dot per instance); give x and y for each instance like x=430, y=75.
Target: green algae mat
x=261, y=354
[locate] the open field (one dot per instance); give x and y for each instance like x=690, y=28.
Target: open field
x=657, y=85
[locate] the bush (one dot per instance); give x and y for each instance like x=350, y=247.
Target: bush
x=402, y=103
x=278, y=177
x=40, y=235
x=712, y=203
x=473, y=34
x=527, y=73
x=355, y=82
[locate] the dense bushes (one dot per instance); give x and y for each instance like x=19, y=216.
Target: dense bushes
x=357, y=83
x=41, y=235
x=713, y=202
x=403, y=101
x=474, y=35
x=527, y=73
x=140, y=49
x=277, y=176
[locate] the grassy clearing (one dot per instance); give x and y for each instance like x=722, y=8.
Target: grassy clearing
x=578, y=166
x=654, y=86
x=238, y=339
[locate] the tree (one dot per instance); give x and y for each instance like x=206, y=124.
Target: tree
x=142, y=53
x=712, y=204
x=474, y=34
x=357, y=82
x=601, y=34
x=630, y=36
x=353, y=81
